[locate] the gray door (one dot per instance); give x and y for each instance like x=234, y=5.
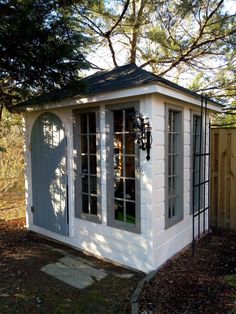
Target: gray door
x=49, y=175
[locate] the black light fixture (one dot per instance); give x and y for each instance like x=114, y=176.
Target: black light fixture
x=142, y=132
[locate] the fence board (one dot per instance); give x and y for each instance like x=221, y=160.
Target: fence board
x=223, y=178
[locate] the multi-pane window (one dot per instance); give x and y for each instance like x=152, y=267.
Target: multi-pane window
x=174, y=209
x=122, y=204
x=87, y=180
x=197, y=168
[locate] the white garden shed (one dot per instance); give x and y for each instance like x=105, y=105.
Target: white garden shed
x=89, y=185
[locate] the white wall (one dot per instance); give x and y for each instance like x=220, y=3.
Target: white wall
x=167, y=242
x=133, y=250
x=155, y=244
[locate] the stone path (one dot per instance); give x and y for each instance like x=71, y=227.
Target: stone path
x=77, y=271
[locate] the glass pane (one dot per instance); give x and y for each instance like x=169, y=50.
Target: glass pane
x=196, y=193
x=176, y=165
x=129, y=119
x=93, y=165
x=196, y=177
x=130, y=212
x=92, y=122
x=176, y=121
x=92, y=144
x=83, y=122
x=85, y=184
x=93, y=185
x=130, y=189
x=176, y=143
x=170, y=146
x=169, y=164
x=118, y=159
x=118, y=188
x=129, y=144
x=83, y=143
x=130, y=167
x=174, y=206
x=84, y=164
x=119, y=210
x=169, y=185
x=93, y=207
x=197, y=144
x=85, y=204
x=170, y=127
x=174, y=185
x=169, y=207
x=118, y=143
x=118, y=121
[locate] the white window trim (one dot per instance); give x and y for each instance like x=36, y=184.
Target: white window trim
x=136, y=228
x=77, y=182
x=169, y=222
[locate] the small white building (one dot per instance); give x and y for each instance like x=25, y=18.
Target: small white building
x=89, y=185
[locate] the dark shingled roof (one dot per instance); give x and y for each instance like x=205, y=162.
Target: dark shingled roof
x=104, y=81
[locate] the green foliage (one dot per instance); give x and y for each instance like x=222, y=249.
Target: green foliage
x=40, y=48
x=172, y=38
x=224, y=120
x=11, y=153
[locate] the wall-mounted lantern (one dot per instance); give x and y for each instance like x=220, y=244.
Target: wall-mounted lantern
x=142, y=132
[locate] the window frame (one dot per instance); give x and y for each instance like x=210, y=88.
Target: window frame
x=196, y=113
x=171, y=221
x=111, y=221
x=77, y=165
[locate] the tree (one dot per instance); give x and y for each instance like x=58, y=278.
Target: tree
x=41, y=48
x=176, y=39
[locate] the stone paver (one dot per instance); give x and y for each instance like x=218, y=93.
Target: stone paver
x=69, y=275
x=77, y=271
x=95, y=273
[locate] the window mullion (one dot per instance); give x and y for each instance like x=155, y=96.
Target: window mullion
x=124, y=165
x=88, y=160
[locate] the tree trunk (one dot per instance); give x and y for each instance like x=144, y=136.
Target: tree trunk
x=134, y=35
x=137, y=18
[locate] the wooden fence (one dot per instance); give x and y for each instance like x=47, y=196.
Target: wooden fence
x=223, y=177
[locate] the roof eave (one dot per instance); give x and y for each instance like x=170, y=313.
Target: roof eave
x=162, y=87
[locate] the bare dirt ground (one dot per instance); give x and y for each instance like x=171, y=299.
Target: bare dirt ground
x=204, y=283
x=25, y=289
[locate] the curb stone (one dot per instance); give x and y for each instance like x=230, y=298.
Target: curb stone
x=135, y=297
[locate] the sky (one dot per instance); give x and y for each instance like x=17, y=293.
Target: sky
x=102, y=56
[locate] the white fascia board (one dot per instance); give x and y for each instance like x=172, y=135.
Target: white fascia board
x=151, y=88
x=193, y=100
x=96, y=98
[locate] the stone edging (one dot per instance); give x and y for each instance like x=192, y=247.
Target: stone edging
x=135, y=297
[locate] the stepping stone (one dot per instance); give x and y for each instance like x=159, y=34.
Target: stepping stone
x=125, y=276
x=97, y=274
x=69, y=275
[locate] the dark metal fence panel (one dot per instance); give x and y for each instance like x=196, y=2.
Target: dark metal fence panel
x=201, y=184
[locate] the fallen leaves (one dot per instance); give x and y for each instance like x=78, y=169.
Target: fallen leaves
x=195, y=284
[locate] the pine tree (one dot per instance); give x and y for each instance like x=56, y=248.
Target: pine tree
x=41, y=48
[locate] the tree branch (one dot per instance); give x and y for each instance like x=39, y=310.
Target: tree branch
x=108, y=33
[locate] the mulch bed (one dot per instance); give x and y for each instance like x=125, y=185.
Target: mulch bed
x=25, y=289
x=185, y=284
x=196, y=284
